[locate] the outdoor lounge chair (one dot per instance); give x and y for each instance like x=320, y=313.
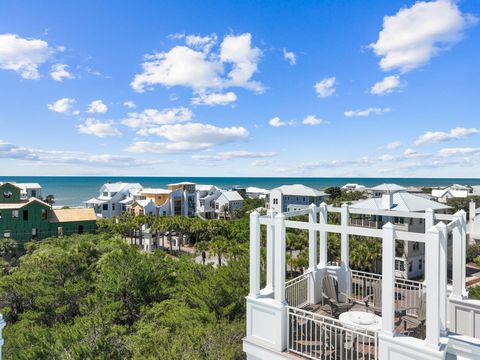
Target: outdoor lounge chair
x=333, y=297
x=416, y=322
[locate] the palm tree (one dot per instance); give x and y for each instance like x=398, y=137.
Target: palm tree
x=219, y=246
x=50, y=199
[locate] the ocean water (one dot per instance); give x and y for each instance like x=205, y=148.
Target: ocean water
x=73, y=190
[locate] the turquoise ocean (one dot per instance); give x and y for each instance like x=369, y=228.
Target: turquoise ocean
x=73, y=190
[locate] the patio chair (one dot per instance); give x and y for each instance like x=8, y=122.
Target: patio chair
x=417, y=321
x=374, y=302
x=332, y=296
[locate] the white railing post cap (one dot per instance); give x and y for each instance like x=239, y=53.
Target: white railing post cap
x=254, y=214
x=323, y=204
x=271, y=212
x=433, y=230
x=388, y=225
x=280, y=216
x=312, y=206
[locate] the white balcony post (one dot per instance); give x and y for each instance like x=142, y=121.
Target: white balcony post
x=323, y=236
x=2, y=325
x=457, y=278
x=388, y=279
x=279, y=258
x=345, y=253
x=312, y=238
x=463, y=255
x=254, y=254
x=443, y=276
x=270, y=252
x=432, y=258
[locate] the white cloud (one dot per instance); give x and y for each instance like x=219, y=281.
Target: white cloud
x=98, y=128
x=393, y=145
x=411, y=37
x=261, y=163
x=326, y=87
x=289, y=56
x=213, y=99
x=228, y=155
x=59, y=72
x=312, y=120
x=386, y=86
x=129, y=104
x=203, y=69
x=441, y=136
x=55, y=157
x=277, y=122
x=23, y=56
x=154, y=117
x=447, y=152
x=97, y=106
x=63, y=105
x=187, y=137
x=204, y=43
x=366, y=112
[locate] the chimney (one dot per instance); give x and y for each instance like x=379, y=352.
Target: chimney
x=387, y=201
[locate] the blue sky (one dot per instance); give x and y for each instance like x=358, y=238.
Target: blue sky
x=265, y=88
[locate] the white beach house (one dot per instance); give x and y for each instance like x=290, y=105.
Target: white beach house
x=294, y=197
x=226, y=203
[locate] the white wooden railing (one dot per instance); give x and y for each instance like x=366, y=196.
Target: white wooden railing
x=314, y=336
x=296, y=291
x=407, y=292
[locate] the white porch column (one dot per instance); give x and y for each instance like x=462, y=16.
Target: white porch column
x=388, y=279
x=323, y=236
x=270, y=252
x=254, y=254
x=463, y=256
x=432, y=270
x=345, y=251
x=312, y=238
x=442, y=227
x=457, y=271
x=279, y=258
x=471, y=218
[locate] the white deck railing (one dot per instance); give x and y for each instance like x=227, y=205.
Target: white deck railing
x=407, y=292
x=296, y=291
x=319, y=337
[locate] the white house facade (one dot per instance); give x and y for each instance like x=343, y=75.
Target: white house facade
x=226, y=203
x=294, y=197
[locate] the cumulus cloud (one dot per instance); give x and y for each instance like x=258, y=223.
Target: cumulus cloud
x=325, y=87
x=289, y=56
x=393, y=145
x=411, y=37
x=129, y=104
x=187, y=137
x=214, y=99
x=23, y=56
x=97, y=106
x=441, y=136
x=386, y=86
x=154, y=117
x=277, y=122
x=312, y=120
x=59, y=72
x=233, y=64
x=447, y=152
x=63, y=105
x=366, y=112
x=237, y=154
x=98, y=128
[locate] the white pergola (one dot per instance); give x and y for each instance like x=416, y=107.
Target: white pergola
x=267, y=319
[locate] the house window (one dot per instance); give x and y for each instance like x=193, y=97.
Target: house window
x=140, y=212
x=409, y=266
x=420, y=264
x=80, y=229
x=25, y=215
x=113, y=207
x=105, y=207
x=416, y=246
x=399, y=265
x=105, y=193
x=304, y=199
x=15, y=214
x=44, y=214
x=6, y=234
x=275, y=201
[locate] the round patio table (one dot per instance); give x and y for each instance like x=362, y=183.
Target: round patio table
x=361, y=319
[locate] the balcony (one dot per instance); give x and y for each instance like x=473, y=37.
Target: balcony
x=373, y=224
x=335, y=312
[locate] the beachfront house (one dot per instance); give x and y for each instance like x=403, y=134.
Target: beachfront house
x=333, y=312
x=114, y=198
x=294, y=197
x=253, y=192
x=393, y=199
x=144, y=207
x=182, y=198
x=205, y=200
x=454, y=191
x=226, y=203
x=29, y=190
x=353, y=187
x=25, y=219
